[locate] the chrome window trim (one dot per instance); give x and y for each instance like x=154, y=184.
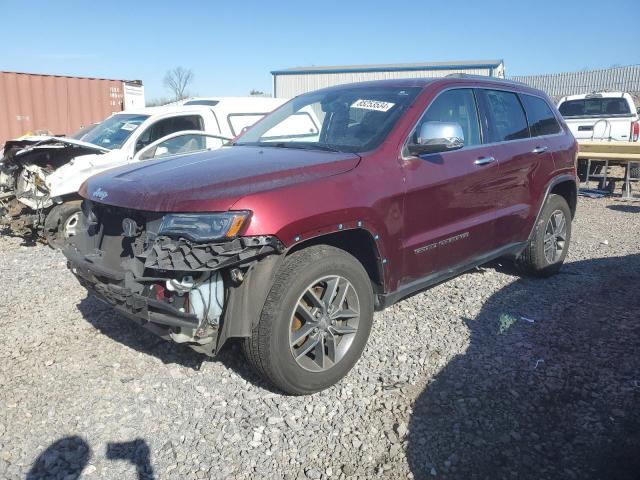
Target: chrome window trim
x=472, y=147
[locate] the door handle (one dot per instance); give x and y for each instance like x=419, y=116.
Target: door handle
x=539, y=149
x=484, y=160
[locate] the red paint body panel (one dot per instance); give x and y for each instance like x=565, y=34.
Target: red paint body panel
x=214, y=181
x=404, y=203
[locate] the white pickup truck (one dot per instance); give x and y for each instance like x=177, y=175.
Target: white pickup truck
x=601, y=116
x=610, y=116
x=40, y=175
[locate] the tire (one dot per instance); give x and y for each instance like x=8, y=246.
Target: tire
x=57, y=225
x=533, y=260
x=271, y=347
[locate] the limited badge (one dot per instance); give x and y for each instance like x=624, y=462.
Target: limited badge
x=129, y=227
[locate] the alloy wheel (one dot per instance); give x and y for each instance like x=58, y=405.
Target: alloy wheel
x=70, y=227
x=324, y=323
x=555, y=236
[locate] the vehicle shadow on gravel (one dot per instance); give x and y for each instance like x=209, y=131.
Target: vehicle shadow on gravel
x=549, y=386
x=28, y=240
x=67, y=458
x=624, y=208
x=124, y=331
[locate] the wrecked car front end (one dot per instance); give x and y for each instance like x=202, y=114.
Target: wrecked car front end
x=26, y=169
x=185, y=277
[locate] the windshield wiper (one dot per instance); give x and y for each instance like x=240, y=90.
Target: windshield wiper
x=305, y=146
x=297, y=145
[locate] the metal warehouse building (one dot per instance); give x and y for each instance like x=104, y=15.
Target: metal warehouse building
x=294, y=81
x=621, y=79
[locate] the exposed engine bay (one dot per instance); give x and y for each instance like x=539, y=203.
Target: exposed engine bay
x=25, y=169
x=189, y=292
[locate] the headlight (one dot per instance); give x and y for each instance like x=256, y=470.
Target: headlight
x=203, y=227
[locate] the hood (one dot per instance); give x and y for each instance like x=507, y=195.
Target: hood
x=214, y=180
x=31, y=148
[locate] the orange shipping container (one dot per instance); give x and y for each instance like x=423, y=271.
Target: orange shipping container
x=60, y=105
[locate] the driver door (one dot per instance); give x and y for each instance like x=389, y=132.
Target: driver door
x=451, y=200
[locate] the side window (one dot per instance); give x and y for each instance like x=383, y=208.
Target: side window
x=166, y=126
x=182, y=144
x=506, y=117
x=238, y=121
x=457, y=106
x=541, y=119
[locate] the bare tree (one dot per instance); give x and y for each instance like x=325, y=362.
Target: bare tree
x=177, y=80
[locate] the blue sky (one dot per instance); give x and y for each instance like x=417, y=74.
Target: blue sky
x=232, y=46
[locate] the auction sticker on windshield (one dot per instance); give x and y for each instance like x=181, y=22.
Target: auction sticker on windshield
x=130, y=127
x=376, y=105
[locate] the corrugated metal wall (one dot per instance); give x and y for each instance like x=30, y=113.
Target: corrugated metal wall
x=60, y=105
x=625, y=79
x=290, y=85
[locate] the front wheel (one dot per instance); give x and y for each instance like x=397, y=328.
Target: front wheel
x=315, y=322
x=545, y=253
x=62, y=222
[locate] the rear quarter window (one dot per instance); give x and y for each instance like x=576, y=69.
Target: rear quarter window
x=238, y=121
x=541, y=119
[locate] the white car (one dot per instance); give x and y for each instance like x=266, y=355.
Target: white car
x=40, y=175
x=601, y=116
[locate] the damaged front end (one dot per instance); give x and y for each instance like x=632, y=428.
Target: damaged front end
x=25, y=168
x=162, y=272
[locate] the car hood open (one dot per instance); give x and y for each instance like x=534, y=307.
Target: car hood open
x=214, y=180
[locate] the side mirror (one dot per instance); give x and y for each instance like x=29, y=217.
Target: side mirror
x=435, y=137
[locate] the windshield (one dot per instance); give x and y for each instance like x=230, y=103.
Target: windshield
x=348, y=119
x=594, y=107
x=115, y=130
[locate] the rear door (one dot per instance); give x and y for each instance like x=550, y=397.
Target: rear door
x=450, y=197
x=524, y=157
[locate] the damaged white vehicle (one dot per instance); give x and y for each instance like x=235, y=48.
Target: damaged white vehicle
x=40, y=175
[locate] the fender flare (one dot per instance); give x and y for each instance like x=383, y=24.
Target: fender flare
x=552, y=183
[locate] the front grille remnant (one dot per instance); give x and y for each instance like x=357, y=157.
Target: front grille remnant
x=169, y=254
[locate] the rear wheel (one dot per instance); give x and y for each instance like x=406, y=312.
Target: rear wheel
x=315, y=321
x=545, y=253
x=62, y=222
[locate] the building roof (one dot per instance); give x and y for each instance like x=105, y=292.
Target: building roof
x=137, y=82
x=392, y=67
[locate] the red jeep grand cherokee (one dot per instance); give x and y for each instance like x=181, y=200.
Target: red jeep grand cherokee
x=292, y=236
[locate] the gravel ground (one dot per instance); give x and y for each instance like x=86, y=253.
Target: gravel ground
x=454, y=383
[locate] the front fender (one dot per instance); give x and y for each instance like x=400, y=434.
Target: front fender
x=68, y=178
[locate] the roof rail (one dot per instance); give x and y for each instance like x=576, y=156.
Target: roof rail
x=483, y=77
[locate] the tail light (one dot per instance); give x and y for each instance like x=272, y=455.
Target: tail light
x=635, y=131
